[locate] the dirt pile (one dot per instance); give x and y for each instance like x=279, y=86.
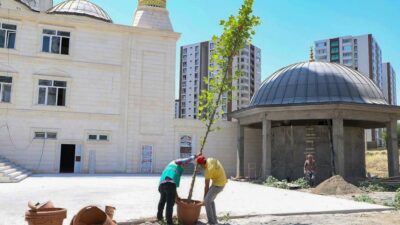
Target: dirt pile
x=336, y=185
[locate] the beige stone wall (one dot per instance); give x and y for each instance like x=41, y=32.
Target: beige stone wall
x=252, y=152
x=121, y=80
x=221, y=145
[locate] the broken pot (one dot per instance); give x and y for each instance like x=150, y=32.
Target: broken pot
x=92, y=215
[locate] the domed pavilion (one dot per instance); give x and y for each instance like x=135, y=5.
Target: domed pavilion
x=316, y=108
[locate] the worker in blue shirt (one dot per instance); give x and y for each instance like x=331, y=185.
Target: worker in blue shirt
x=169, y=182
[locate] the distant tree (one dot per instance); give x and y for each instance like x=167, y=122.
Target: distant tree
x=237, y=31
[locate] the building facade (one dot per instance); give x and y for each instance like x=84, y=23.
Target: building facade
x=389, y=83
x=80, y=94
x=177, y=108
x=195, y=62
x=361, y=53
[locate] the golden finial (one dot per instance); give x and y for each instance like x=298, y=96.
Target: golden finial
x=153, y=3
x=311, y=54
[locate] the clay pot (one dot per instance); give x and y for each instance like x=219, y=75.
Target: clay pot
x=92, y=215
x=188, y=211
x=46, y=216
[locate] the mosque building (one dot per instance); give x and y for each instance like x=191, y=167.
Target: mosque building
x=81, y=94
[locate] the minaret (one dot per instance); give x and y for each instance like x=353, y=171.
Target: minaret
x=152, y=14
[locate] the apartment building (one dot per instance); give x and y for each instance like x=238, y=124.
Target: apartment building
x=361, y=53
x=195, y=63
x=389, y=83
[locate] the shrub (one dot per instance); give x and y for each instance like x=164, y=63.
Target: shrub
x=373, y=186
x=397, y=199
x=273, y=182
x=363, y=198
x=302, y=182
x=283, y=184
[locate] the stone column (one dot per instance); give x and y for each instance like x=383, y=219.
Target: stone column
x=266, y=148
x=240, y=152
x=338, y=146
x=392, y=149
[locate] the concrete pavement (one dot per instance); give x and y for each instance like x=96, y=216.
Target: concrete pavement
x=136, y=197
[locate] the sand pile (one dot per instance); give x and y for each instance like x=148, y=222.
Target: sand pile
x=336, y=185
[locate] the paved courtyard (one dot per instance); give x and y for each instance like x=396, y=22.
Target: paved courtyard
x=136, y=197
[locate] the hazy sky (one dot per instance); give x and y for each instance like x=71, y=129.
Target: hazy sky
x=289, y=27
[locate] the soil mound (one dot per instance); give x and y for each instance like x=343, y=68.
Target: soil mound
x=336, y=185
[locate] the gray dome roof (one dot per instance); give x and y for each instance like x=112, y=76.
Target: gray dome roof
x=81, y=8
x=317, y=83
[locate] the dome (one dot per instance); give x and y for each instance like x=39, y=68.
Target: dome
x=317, y=83
x=81, y=8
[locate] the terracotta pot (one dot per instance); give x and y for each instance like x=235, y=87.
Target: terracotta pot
x=188, y=211
x=47, y=216
x=92, y=215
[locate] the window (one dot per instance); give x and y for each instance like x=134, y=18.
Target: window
x=92, y=137
x=51, y=135
x=334, y=57
x=347, y=54
x=56, y=42
x=334, y=43
x=5, y=89
x=334, y=50
x=348, y=62
x=347, y=48
x=45, y=135
x=344, y=41
x=52, y=92
x=212, y=45
x=8, y=33
x=98, y=137
x=103, y=137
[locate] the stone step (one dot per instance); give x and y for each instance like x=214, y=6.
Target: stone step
x=15, y=174
x=21, y=177
x=5, y=164
x=10, y=172
x=2, y=168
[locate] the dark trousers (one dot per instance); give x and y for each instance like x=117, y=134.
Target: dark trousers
x=310, y=178
x=167, y=195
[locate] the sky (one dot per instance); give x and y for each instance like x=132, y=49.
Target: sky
x=288, y=29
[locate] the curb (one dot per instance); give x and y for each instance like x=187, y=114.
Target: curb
x=153, y=219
